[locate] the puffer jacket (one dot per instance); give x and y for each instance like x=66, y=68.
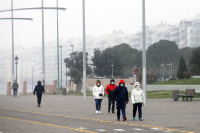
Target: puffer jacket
x=110, y=90
x=121, y=95
x=137, y=95
x=97, y=90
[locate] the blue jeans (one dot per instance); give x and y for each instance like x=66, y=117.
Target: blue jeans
x=98, y=104
x=123, y=113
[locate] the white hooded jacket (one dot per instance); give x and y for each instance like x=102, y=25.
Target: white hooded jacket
x=97, y=90
x=137, y=94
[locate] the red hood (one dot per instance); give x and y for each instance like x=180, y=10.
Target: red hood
x=121, y=81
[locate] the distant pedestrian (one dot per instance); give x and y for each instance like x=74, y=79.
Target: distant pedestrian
x=98, y=93
x=121, y=96
x=110, y=92
x=39, y=90
x=137, y=97
x=15, y=88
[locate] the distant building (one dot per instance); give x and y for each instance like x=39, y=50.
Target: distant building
x=185, y=34
x=185, y=29
x=195, y=34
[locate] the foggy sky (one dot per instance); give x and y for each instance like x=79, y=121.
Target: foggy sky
x=102, y=17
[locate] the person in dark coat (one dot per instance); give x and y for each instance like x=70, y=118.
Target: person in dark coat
x=39, y=89
x=121, y=96
x=15, y=88
x=110, y=92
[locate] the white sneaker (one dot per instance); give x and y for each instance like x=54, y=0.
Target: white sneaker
x=97, y=111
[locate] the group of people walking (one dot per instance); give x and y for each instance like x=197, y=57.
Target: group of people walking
x=119, y=95
x=116, y=94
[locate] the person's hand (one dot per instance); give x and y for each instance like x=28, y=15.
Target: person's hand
x=126, y=102
x=133, y=103
x=33, y=93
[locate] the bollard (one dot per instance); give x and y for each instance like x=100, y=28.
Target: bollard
x=53, y=92
x=175, y=95
x=9, y=88
x=24, y=89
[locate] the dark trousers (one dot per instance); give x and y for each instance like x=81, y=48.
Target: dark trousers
x=111, y=101
x=123, y=113
x=139, y=106
x=15, y=92
x=98, y=104
x=39, y=97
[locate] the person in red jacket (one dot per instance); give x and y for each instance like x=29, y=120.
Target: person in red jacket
x=110, y=92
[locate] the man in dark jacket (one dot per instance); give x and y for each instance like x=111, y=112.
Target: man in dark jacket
x=121, y=96
x=15, y=88
x=110, y=92
x=39, y=89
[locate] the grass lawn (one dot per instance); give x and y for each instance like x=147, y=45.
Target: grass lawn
x=179, y=82
x=150, y=94
x=165, y=94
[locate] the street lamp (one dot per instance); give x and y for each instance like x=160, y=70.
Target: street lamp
x=84, y=52
x=61, y=67
x=169, y=69
x=42, y=8
x=72, y=45
x=144, y=74
x=16, y=62
x=112, y=70
x=32, y=78
x=162, y=65
x=66, y=74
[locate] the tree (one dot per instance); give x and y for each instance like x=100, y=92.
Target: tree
x=182, y=68
x=162, y=52
x=75, y=65
x=76, y=76
x=122, y=56
x=194, y=61
x=185, y=52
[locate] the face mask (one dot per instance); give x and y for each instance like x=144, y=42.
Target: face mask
x=112, y=83
x=98, y=84
x=122, y=85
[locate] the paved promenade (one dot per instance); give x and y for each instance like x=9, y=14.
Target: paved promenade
x=71, y=114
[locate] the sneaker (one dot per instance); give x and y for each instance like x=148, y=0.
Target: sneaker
x=97, y=111
x=141, y=119
x=108, y=111
x=133, y=118
x=124, y=119
x=113, y=111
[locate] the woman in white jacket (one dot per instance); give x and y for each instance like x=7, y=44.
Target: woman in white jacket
x=98, y=93
x=137, y=97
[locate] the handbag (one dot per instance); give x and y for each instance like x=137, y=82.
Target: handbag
x=100, y=94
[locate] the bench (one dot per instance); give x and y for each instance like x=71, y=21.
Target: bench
x=189, y=93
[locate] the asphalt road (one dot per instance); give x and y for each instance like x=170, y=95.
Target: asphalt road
x=72, y=114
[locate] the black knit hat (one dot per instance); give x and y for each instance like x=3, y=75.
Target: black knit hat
x=112, y=80
x=39, y=82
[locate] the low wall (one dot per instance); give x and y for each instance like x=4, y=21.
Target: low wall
x=92, y=82
x=168, y=87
